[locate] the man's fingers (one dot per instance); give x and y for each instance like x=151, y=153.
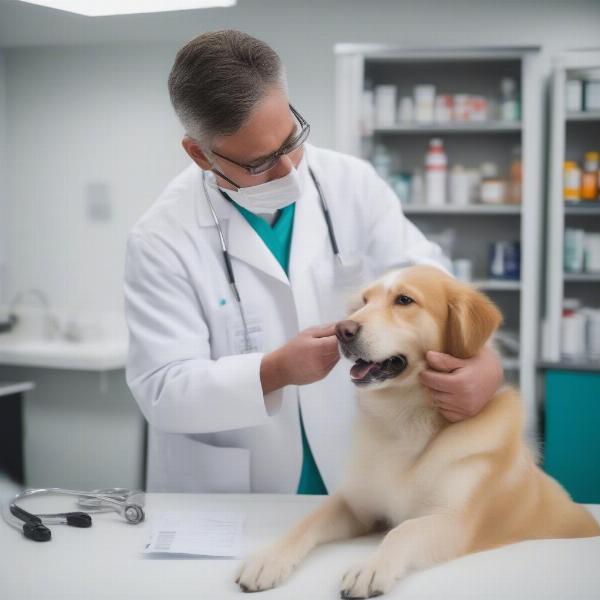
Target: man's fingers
x=329, y=345
x=441, y=382
x=452, y=416
x=445, y=403
x=443, y=362
x=324, y=330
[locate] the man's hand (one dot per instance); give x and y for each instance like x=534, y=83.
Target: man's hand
x=461, y=388
x=304, y=359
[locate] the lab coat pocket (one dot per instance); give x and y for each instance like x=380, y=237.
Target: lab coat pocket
x=246, y=333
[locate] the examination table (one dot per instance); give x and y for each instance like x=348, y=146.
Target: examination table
x=106, y=561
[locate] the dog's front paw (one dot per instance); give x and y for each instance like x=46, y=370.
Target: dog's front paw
x=265, y=570
x=367, y=579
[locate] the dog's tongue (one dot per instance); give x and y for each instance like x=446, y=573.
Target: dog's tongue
x=360, y=369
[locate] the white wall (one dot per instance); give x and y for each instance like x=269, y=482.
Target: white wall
x=100, y=113
x=79, y=116
x=3, y=172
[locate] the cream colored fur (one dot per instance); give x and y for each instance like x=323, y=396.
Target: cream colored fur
x=438, y=489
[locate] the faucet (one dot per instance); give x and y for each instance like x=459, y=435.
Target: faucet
x=51, y=322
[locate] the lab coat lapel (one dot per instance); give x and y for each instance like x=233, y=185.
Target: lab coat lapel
x=245, y=245
x=310, y=246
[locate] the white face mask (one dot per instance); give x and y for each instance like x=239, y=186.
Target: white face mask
x=271, y=196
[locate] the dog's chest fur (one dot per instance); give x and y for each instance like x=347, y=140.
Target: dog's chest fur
x=383, y=481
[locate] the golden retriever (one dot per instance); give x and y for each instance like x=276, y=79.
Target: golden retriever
x=439, y=489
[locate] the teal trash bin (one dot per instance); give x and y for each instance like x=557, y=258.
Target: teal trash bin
x=572, y=432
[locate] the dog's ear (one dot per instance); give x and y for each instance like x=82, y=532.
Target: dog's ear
x=472, y=318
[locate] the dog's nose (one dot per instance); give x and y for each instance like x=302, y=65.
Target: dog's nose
x=346, y=330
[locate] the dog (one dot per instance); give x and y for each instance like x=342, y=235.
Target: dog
x=438, y=489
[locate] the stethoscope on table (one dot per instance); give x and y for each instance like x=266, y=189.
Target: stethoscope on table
x=125, y=502
x=340, y=265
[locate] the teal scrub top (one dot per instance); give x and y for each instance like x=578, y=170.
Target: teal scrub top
x=277, y=238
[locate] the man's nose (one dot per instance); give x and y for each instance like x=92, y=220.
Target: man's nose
x=346, y=331
x=283, y=166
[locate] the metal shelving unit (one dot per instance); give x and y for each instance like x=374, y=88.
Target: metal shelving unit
x=477, y=71
x=572, y=133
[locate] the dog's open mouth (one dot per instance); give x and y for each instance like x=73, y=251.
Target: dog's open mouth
x=364, y=372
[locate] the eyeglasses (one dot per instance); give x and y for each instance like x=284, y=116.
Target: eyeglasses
x=302, y=131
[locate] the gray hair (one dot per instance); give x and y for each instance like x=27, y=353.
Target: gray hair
x=217, y=80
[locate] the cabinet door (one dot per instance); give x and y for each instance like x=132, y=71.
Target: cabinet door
x=572, y=432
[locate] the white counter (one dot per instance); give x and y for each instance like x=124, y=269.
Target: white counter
x=97, y=355
x=8, y=388
x=106, y=561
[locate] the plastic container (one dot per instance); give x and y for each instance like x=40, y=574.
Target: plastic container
x=406, y=110
x=571, y=181
x=424, y=103
x=443, y=108
x=589, y=177
x=493, y=189
x=460, y=186
x=573, y=257
x=463, y=269
x=504, y=260
x=592, y=252
x=573, y=329
x=509, y=105
x=385, y=105
x=461, y=107
x=436, y=166
x=592, y=332
x=382, y=161
x=417, y=187
x=515, y=184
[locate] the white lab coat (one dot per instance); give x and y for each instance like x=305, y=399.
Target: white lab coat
x=210, y=427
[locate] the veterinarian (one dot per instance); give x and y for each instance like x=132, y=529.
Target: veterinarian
x=232, y=356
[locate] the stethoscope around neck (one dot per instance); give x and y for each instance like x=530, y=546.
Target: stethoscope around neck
x=229, y=269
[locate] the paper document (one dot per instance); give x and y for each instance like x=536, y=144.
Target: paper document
x=199, y=533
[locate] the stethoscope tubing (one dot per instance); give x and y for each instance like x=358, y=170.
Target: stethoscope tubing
x=228, y=267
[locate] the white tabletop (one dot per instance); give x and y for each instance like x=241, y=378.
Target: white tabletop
x=106, y=561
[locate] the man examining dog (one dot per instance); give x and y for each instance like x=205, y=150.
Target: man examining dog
x=231, y=287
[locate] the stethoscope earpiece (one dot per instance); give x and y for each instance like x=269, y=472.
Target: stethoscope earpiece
x=37, y=532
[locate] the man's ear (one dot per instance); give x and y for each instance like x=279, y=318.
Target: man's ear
x=472, y=318
x=191, y=146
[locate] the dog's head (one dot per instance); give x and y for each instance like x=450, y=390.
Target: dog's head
x=404, y=314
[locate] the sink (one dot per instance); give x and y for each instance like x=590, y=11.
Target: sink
x=62, y=354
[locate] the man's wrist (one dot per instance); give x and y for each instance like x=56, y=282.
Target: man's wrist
x=273, y=374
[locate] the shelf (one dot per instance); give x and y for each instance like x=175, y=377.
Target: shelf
x=592, y=115
x=585, y=208
x=583, y=364
x=474, y=209
x=502, y=285
x=477, y=127
x=582, y=277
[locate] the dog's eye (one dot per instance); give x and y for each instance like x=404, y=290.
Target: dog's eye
x=404, y=300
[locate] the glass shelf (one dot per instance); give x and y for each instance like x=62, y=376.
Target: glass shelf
x=498, y=284
x=474, y=209
x=592, y=115
x=472, y=127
